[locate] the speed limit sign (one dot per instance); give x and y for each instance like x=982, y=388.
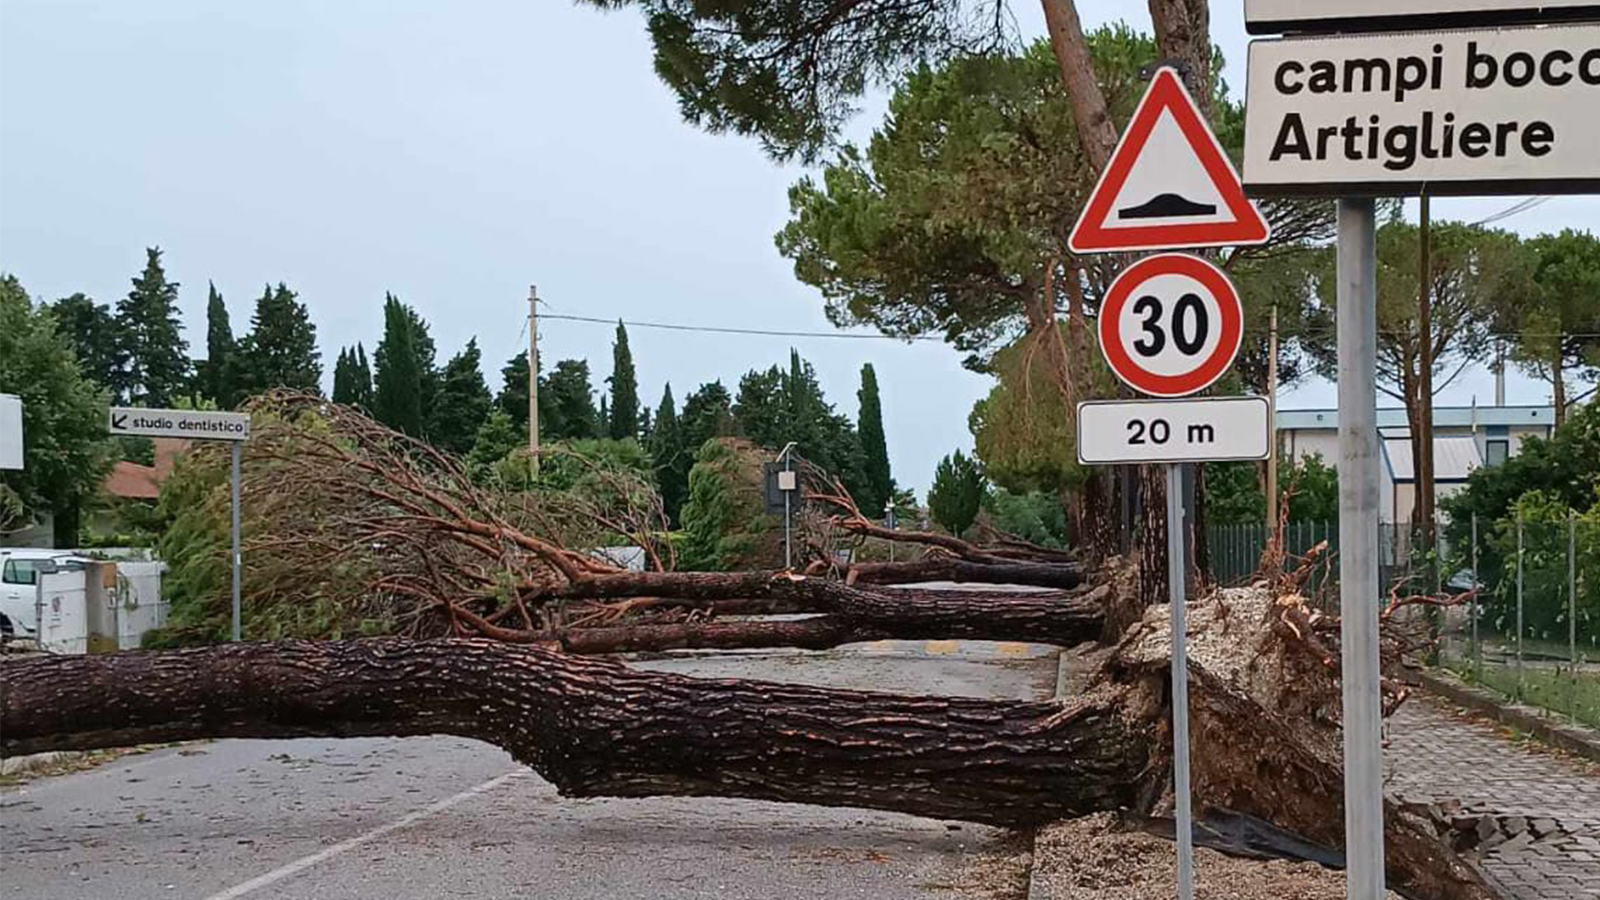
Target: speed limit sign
x=1171, y=325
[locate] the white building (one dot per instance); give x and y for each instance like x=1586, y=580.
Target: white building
x=1464, y=438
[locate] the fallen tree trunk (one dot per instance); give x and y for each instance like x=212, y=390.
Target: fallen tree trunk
x=963, y=571
x=597, y=728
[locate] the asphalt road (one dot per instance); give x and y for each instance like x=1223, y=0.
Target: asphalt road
x=424, y=818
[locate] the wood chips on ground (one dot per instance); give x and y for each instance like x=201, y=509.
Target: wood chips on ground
x=1095, y=858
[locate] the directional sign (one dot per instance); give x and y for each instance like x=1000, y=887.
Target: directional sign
x=10, y=432
x=1171, y=325
x=1173, y=431
x=189, y=424
x=1169, y=185
x=1509, y=111
x=1274, y=16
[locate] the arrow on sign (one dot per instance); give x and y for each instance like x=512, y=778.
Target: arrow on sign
x=119, y=421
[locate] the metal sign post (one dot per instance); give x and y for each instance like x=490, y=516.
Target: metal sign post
x=195, y=425
x=1177, y=577
x=1358, y=548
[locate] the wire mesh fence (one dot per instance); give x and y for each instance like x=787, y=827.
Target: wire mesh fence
x=1530, y=631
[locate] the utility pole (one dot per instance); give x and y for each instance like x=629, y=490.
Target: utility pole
x=1272, y=425
x=533, y=379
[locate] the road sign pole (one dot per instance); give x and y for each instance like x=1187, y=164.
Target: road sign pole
x=1358, y=550
x=1177, y=575
x=235, y=466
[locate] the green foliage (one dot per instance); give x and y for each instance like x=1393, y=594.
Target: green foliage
x=463, y=402
x=352, y=378
x=154, y=354
x=93, y=331
x=1546, y=518
x=623, y=417
x=877, y=481
x=1556, y=324
x=65, y=449
x=218, y=375
x=788, y=71
x=1035, y=516
x=571, y=413
x=1234, y=497
x=776, y=407
x=397, y=375
x=1023, y=431
x=281, y=349
x=957, y=493
x=494, y=440
x=722, y=522
x=707, y=414
x=672, y=457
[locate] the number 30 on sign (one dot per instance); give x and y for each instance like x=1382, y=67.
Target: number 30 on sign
x=1171, y=325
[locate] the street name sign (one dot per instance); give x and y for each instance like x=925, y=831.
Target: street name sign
x=1275, y=16
x=1116, y=432
x=1489, y=111
x=194, y=425
x=1168, y=185
x=1171, y=325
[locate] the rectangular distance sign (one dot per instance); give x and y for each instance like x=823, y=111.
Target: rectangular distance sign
x=1513, y=110
x=1212, y=429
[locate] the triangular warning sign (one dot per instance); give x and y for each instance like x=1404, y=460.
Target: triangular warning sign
x=1169, y=185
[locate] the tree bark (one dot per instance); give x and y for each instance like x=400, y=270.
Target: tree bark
x=1097, y=134
x=1558, y=384
x=964, y=572
x=596, y=728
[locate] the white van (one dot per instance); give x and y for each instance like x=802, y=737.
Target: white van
x=19, y=589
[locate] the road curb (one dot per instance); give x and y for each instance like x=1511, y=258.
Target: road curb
x=1035, y=889
x=1574, y=739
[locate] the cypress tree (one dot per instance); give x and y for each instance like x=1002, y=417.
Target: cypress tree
x=397, y=378
x=876, y=477
x=344, y=377
x=623, y=418
x=363, y=378
x=463, y=401
x=672, y=459
x=281, y=349
x=220, y=367
x=957, y=492
x=155, y=356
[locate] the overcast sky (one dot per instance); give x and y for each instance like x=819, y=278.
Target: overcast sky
x=454, y=153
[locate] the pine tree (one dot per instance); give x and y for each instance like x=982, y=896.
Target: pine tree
x=957, y=493
x=463, y=402
x=672, y=459
x=707, y=413
x=513, y=397
x=92, y=329
x=220, y=368
x=623, y=417
x=397, y=379
x=570, y=413
x=155, y=355
x=877, y=481
x=281, y=349
x=494, y=440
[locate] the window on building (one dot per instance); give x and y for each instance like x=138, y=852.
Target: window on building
x=1496, y=452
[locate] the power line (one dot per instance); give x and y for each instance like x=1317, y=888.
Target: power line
x=716, y=329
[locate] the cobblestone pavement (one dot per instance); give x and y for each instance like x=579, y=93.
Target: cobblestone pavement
x=1540, y=809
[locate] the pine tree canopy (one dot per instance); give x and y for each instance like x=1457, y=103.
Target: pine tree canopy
x=281, y=349
x=92, y=329
x=957, y=492
x=463, y=402
x=155, y=356
x=572, y=413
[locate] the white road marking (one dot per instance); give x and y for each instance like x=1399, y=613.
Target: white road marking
x=306, y=862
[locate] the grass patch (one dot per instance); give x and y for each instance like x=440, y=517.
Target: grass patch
x=1556, y=689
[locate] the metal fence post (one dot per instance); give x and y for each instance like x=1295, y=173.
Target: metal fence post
x=1520, y=687
x=1572, y=605
x=1477, y=645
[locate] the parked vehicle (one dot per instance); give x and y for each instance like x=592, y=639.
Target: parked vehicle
x=19, y=580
